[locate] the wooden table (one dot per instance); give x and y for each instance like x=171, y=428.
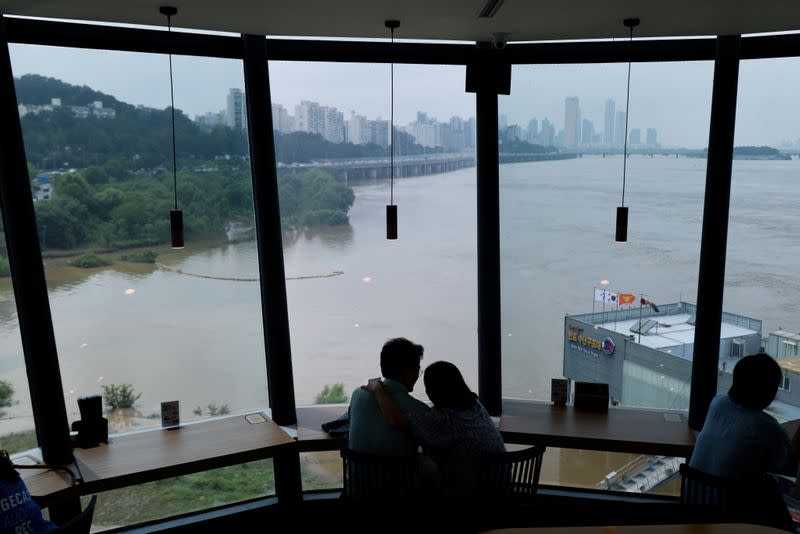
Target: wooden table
x=154, y=455
x=310, y=436
x=731, y=528
x=638, y=431
x=46, y=485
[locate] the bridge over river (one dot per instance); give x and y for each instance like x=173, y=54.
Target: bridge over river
x=369, y=169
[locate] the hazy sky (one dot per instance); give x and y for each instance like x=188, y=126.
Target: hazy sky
x=674, y=98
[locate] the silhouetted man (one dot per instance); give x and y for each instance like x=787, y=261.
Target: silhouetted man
x=369, y=431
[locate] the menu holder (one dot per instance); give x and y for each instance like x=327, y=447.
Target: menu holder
x=558, y=391
x=591, y=396
x=170, y=414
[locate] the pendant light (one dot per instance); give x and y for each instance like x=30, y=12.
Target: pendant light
x=622, y=211
x=176, y=215
x=391, y=209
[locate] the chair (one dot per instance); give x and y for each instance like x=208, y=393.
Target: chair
x=374, y=477
x=81, y=523
x=721, y=499
x=511, y=475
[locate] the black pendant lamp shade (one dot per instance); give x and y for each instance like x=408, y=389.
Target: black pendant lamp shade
x=176, y=228
x=622, y=225
x=391, y=221
x=176, y=215
x=621, y=235
x=391, y=209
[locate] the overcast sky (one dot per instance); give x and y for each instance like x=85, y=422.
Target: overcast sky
x=674, y=98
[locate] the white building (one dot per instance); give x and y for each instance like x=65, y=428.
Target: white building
x=236, y=110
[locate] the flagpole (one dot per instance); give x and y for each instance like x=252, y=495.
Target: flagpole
x=594, y=298
x=640, y=320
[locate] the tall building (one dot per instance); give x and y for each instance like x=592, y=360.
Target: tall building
x=547, y=137
x=635, y=137
x=309, y=117
x=608, y=124
x=502, y=122
x=358, y=129
x=533, y=130
x=425, y=131
x=379, y=132
x=281, y=120
x=619, y=129
x=469, y=132
x=236, y=110
x=587, y=132
x=572, y=122
x=652, y=137
x=333, y=125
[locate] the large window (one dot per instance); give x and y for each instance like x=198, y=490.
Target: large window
x=761, y=275
x=17, y=429
x=349, y=288
x=571, y=296
x=134, y=320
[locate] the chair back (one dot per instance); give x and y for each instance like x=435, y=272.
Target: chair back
x=81, y=523
x=733, y=500
x=374, y=477
x=511, y=474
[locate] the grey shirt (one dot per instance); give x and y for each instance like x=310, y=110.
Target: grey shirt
x=370, y=432
x=738, y=442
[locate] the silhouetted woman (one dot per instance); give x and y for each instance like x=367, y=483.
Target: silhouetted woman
x=18, y=511
x=454, y=433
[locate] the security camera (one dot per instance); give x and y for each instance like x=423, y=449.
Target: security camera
x=500, y=40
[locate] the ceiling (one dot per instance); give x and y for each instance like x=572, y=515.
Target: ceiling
x=524, y=20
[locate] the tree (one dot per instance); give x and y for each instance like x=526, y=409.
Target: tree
x=331, y=395
x=120, y=396
x=6, y=396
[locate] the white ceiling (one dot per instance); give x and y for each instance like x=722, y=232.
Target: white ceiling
x=437, y=19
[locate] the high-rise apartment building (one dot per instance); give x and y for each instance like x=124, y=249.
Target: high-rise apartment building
x=333, y=125
x=547, y=137
x=533, y=130
x=619, y=129
x=587, y=132
x=379, y=132
x=281, y=120
x=652, y=137
x=572, y=124
x=236, y=110
x=608, y=124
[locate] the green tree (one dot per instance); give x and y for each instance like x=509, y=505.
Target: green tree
x=120, y=396
x=6, y=396
x=331, y=394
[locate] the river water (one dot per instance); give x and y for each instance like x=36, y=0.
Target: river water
x=175, y=336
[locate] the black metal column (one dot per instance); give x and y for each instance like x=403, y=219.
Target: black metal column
x=27, y=276
x=268, y=231
x=488, y=190
x=711, y=279
x=270, y=260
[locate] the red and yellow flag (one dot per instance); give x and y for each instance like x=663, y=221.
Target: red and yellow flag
x=626, y=298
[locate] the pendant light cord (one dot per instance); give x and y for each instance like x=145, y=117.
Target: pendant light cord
x=627, y=114
x=391, y=127
x=172, y=109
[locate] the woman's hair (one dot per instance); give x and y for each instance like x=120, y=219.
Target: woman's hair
x=446, y=387
x=7, y=472
x=755, y=381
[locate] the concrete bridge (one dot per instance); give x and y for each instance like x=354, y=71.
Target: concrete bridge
x=356, y=171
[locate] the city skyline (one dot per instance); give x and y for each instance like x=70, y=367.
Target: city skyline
x=675, y=97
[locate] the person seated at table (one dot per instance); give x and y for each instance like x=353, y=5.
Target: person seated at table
x=18, y=511
x=455, y=432
x=369, y=431
x=739, y=440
